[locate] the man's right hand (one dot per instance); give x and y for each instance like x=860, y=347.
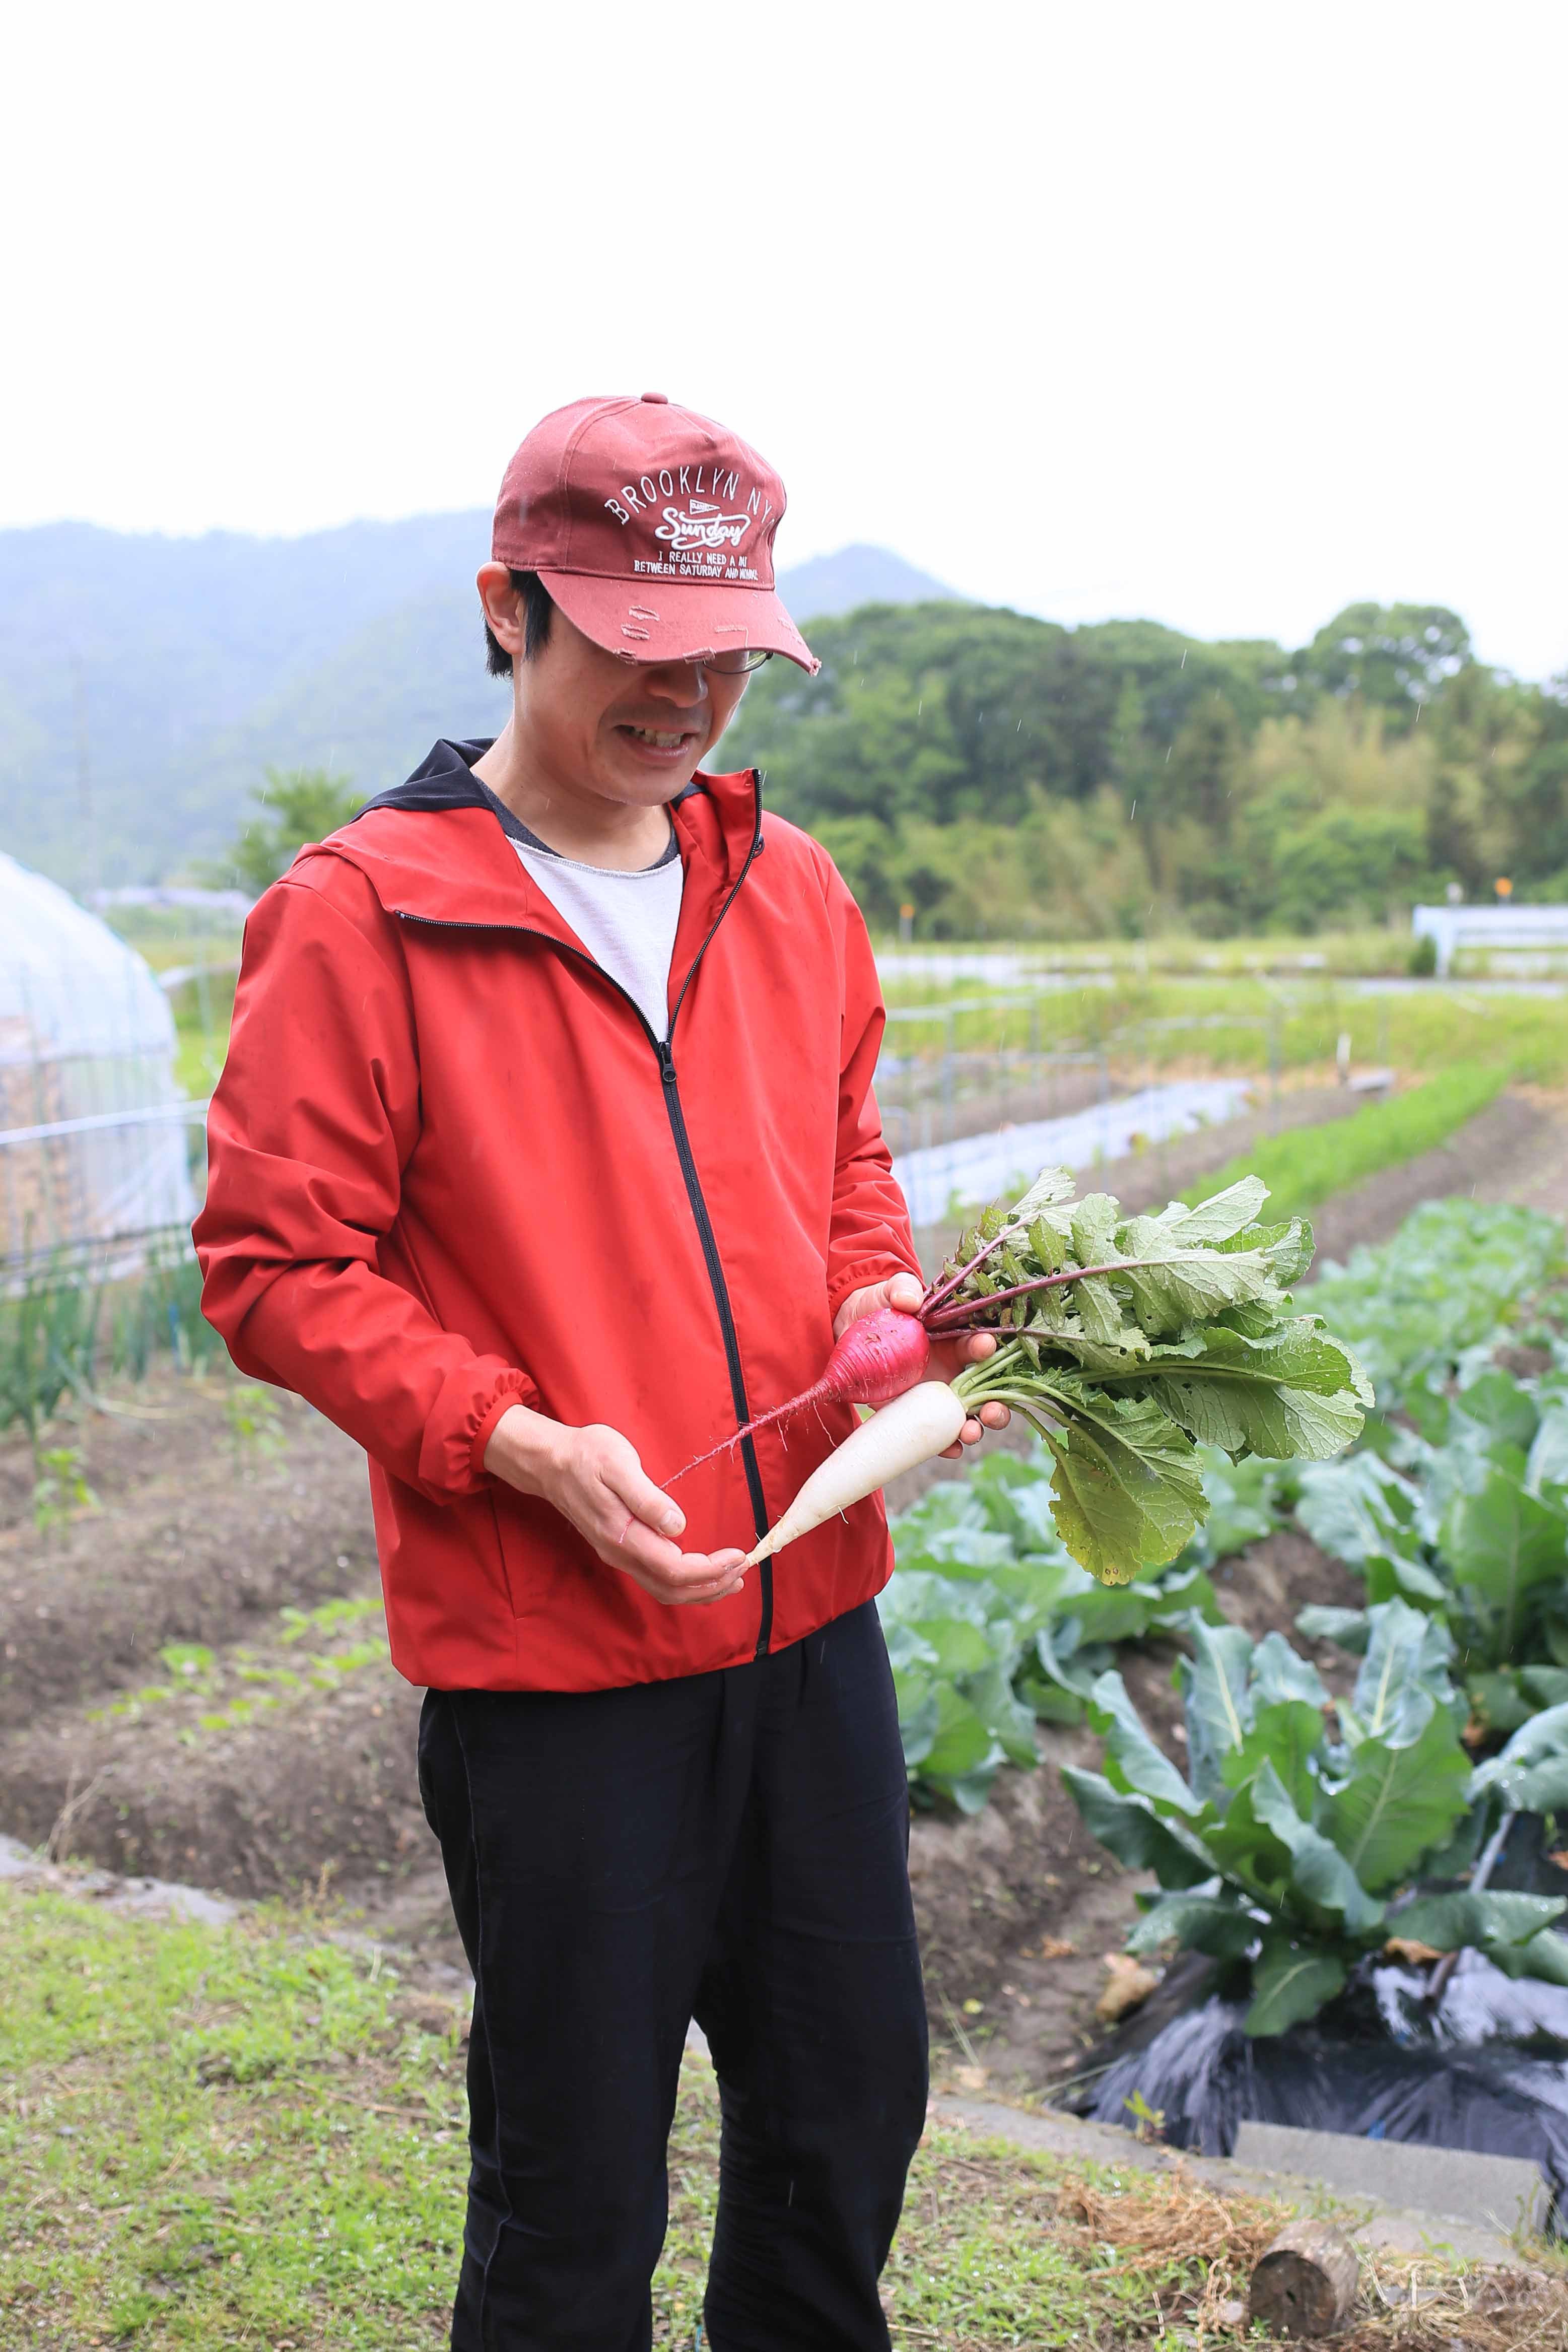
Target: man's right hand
x=592, y=1478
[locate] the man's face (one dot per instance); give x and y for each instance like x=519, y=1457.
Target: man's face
x=630, y=732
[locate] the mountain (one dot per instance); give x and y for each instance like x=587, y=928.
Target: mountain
x=830, y=584
x=146, y=682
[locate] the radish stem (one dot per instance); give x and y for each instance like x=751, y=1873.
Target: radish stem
x=934, y=1298
x=942, y=1324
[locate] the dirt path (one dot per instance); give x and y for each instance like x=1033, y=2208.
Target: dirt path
x=1517, y=1149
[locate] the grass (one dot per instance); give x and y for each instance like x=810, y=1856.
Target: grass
x=251, y=2135
x=1149, y=1028
x=1236, y=1004
x=1304, y=1166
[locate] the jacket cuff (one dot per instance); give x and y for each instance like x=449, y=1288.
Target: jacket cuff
x=515, y=1388
x=864, y=1271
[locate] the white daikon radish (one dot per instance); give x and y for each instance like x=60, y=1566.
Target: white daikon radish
x=922, y=1421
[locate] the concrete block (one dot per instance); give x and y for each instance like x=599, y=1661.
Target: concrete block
x=1454, y=2184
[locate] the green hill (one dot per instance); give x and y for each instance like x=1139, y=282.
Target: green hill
x=182, y=668
x=1000, y=773
x=182, y=665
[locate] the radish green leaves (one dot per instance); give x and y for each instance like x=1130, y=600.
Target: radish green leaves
x=1128, y=1341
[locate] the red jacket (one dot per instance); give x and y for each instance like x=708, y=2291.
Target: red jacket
x=451, y=1170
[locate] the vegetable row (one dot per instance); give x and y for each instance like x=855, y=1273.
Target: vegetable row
x=1305, y=1836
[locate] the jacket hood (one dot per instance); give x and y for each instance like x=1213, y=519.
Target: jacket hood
x=438, y=848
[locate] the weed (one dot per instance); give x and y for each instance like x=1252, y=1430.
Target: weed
x=255, y=1426
x=60, y=1488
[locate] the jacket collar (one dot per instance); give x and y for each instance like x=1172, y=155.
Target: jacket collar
x=436, y=849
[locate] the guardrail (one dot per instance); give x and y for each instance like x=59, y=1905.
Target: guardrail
x=1452, y=927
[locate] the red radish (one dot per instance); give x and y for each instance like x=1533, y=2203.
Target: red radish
x=878, y=1357
x=917, y=1425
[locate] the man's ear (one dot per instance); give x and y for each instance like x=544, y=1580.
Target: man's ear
x=503, y=606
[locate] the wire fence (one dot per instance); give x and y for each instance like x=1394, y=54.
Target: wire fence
x=963, y=1121
x=77, y=1192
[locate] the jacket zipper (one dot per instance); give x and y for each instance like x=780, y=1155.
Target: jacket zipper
x=670, y=1086
x=727, y=1325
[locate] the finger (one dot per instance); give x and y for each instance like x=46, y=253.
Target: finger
x=700, y=1600
x=671, y=1596
x=677, y=1571
x=951, y=1453
x=672, y=1585
x=995, y=1416
x=904, y=1293
x=630, y=1483
x=971, y=1434
x=697, y=1580
x=638, y=1549
x=977, y=1347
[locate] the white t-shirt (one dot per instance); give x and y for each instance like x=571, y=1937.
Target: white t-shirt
x=626, y=921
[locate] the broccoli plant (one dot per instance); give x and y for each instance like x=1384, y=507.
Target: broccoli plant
x=1457, y=1276
x=1473, y=1529
x=990, y=1623
x=1296, y=1842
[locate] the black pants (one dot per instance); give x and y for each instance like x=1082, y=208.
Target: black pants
x=731, y=1846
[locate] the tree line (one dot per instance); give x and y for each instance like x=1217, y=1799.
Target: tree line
x=1009, y=778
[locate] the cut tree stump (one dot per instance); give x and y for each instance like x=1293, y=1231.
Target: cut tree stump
x=1305, y=2283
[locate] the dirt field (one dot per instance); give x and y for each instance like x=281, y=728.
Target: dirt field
x=194, y=1683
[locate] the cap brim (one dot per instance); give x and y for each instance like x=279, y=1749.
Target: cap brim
x=677, y=620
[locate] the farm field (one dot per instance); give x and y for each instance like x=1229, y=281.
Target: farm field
x=1021, y=1903
x=1155, y=1025
x=1167, y=1006
x=194, y=1683
x=194, y=1686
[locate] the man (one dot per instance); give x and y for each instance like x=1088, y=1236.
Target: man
x=545, y=1154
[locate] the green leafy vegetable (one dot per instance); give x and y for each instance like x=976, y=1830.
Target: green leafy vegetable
x=1129, y=1341
x=991, y=1624
x=1459, y=1275
x=1296, y=1840
x=1472, y=1530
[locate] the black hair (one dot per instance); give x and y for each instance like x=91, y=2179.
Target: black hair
x=538, y=606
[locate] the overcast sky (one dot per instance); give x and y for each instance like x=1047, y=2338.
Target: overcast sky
x=1226, y=314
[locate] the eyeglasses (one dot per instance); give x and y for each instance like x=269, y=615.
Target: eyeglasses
x=735, y=661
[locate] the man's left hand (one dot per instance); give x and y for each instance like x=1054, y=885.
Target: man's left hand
x=949, y=1357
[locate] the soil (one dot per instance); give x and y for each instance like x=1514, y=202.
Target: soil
x=194, y=1683
x=1516, y=1149
x=189, y=1541
x=194, y=1543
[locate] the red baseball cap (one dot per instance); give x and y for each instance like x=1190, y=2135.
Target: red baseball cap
x=652, y=528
